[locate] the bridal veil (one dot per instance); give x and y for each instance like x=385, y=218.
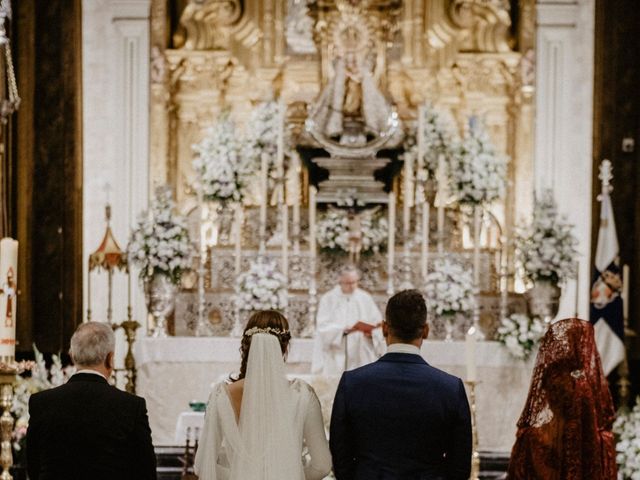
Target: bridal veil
x=262, y=445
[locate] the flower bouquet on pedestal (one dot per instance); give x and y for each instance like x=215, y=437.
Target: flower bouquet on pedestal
x=262, y=287
x=223, y=169
x=520, y=334
x=477, y=173
x=449, y=292
x=160, y=247
x=546, y=253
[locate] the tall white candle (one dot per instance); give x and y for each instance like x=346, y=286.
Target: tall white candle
x=238, y=238
x=441, y=194
x=391, y=241
x=625, y=294
x=476, y=246
x=295, y=190
x=8, y=299
x=285, y=239
x=420, y=135
x=408, y=197
x=577, y=305
x=312, y=222
x=425, y=241
x=280, y=142
x=470, y=354
x=264, y=177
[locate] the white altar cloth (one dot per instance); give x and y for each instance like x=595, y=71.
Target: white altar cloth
x=174, y=371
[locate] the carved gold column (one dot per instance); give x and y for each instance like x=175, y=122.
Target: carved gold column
x=161, y=166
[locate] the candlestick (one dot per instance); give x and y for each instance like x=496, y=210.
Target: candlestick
x=577, y=304
x=408, y=198
x=296, y=203
x=625, y=295
x=420, y=136
x=88, y=293
x=470, y=353
x=391, y=242
x=425, y=242
x=8, y=283
x=312, y=222
x=475, y=455
x=264, y=173
x=441, y=200
x=504, y=278
x=312, y=264
x=476, y=245
x=238, y=238
x=476, y=268
x=285, y=240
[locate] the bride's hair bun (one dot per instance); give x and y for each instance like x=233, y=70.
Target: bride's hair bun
x=270, y=322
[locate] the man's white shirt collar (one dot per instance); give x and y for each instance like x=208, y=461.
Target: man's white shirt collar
x=403, y=348
x=86, y=370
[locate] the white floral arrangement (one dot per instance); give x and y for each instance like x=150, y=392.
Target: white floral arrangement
x=160, y=245
x=261, y=137
x=41, y=378
x=262, y=287
x=449, y=288
x=627, y=431
x=333, y=231
x=546, y=248
x=520, y=334
x=222, y=166
x=438, y=137
x=477, y=173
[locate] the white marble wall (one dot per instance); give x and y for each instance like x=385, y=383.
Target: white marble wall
x=564, y=117
x=115, y=69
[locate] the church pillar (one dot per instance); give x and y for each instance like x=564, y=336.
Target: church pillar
x=115, y=46
x=564, y=116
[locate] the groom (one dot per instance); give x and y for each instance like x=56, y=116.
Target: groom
x=400, y=418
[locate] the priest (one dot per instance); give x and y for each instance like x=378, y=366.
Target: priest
x=347, y=328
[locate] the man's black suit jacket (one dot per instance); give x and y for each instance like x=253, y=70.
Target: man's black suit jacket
x=400, y=419
x=89, y=430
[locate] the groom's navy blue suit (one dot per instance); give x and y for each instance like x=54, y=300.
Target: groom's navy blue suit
x=400, y=419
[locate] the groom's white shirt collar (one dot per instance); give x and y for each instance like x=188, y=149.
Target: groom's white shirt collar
x=403, y=348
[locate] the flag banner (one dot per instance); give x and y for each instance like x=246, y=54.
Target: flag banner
x=606, y=312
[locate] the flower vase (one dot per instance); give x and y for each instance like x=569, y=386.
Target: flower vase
x=160, y=293
x=449, y=325
x=543, y=300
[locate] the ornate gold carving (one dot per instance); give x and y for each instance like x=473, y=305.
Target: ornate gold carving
x=485, y=24
x=456, y=53
x=208, y=23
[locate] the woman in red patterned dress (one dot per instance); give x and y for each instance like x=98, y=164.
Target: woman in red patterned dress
x=564, y=432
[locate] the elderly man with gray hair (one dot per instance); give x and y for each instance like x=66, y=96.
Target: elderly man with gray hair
x=347, y=327
x=87, y=429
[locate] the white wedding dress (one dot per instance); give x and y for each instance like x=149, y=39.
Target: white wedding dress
x=277, y=419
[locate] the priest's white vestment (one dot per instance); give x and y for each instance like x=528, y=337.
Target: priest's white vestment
x=338, y=312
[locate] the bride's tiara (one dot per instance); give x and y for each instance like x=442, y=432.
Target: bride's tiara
x=269, y=330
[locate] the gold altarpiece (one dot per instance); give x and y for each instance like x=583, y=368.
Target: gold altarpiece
x=468, y=57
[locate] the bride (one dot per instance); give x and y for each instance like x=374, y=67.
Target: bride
x=255, y=426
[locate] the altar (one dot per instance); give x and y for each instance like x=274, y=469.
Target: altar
x=174, y=371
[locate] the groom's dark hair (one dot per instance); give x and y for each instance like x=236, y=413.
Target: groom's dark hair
x=406, y=314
